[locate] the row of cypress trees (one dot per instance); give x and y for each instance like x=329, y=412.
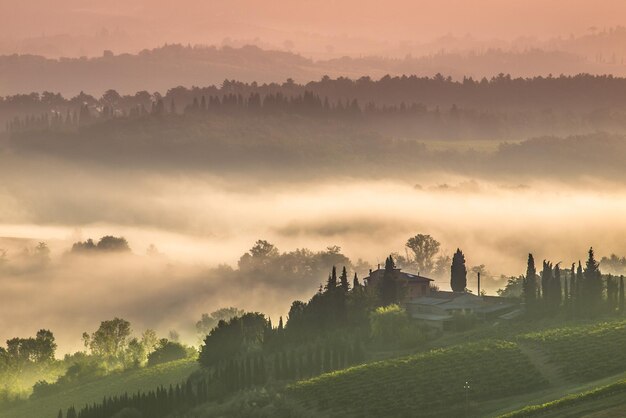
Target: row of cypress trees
x=579, y=291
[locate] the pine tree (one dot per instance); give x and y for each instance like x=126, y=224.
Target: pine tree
x=458, y=277
x=60, y=415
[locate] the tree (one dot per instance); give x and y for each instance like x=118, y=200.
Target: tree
x=343, y=280
x=621, y=294
x=109, y=341
x=388, y=284
x=458, y=276
x=209, y=321
x=166, y=351
x=355, y=282
x=114, y=244
x=331, y=284
x=424, y=248
x=530, y=284
x=45, y=346
x=593, y=283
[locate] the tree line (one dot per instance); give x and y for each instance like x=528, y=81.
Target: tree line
x=580, y=291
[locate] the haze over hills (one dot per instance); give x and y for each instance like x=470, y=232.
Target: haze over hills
x=171, y=65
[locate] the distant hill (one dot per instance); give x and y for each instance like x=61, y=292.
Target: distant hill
x=171, y=65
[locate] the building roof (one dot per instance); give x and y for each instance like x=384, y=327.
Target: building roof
x=451, y=301
x=410, y=277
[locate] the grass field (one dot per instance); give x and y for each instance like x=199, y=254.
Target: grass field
x=78, y=395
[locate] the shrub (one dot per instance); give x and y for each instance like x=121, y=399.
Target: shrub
x=167, y=351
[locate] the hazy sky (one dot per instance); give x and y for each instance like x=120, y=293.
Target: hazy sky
x=153, y=22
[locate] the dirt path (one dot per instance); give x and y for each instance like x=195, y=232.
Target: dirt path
x=542, y=363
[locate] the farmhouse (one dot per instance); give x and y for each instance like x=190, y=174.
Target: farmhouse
x=414, y=285
x=438, y=308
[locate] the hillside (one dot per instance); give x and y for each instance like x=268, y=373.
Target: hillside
x=93, y=391
x=501, y=375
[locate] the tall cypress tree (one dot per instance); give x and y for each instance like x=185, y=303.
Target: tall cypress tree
x=593, y=284
x=343, y=280
x=530, y=285
x=389, y=285
x=557, y=291
x=621, y=294
x=458, y=274
x=580, y=292
x=332, y=280
x=546, y=285
x=355, y=281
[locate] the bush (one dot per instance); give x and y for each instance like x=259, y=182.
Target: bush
x=391, y=325
x=167, y=351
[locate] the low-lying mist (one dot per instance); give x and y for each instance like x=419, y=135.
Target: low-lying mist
x=201, y=225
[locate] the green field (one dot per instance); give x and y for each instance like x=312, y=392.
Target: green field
x=583, y=353
x=427, y=384
x=608, y=400
x=80, y=394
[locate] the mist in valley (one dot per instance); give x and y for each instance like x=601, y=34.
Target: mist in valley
x=188, y=231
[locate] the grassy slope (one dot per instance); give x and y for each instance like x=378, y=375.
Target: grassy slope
x=78, y=395
x=606, y=400
x=560, y=385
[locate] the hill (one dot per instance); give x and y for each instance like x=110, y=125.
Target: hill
x=500, y=374
x=93, y=391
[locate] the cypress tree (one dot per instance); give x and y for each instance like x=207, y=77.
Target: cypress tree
x=621, y=294
x=530, y=285
x=557, y=291
x=343, y=280
x=60, y=415
x=458, y=276
x=546, y=283
x=593, y=283
x=355, y=281
x=580, y=292
x=332, y=280
x=388, y=285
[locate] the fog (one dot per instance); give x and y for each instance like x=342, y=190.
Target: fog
x=199, y=221
x=312, y=28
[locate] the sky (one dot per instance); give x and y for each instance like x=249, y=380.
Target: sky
x=301, y=24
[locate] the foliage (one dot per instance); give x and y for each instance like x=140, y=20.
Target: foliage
x=424, y=249
x=237, y=336
x=391, y=326
x=458, y=278
x=208, y=321
x=167, y=351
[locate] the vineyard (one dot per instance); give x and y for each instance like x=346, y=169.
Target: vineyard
x=585, y=352
x=428, y=384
